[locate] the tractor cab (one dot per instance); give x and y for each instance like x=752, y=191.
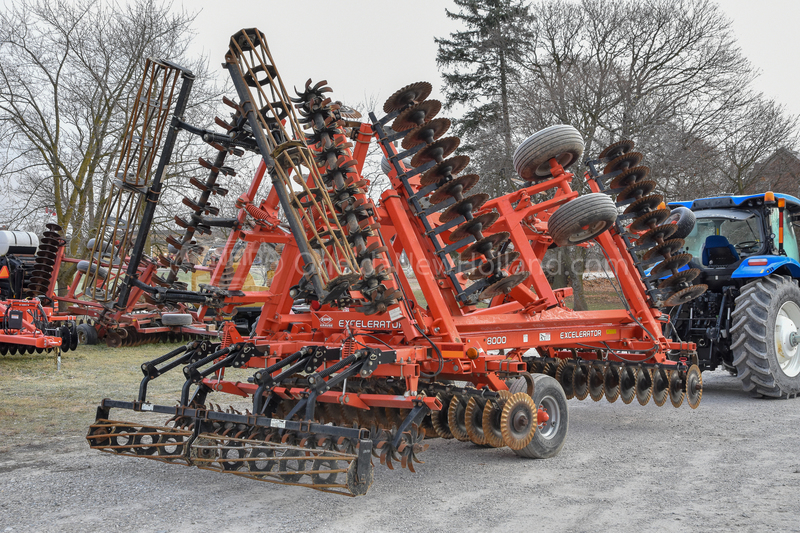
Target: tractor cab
x=745, y=249
x=734, y=234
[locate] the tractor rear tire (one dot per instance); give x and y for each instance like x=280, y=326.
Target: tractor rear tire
x=86, y=334
x=582, y=219
x=562, y=142
x=766, y=314
x=549, y=436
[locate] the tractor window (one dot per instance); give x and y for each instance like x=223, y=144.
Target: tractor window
x=789, y=235
x=743, y=232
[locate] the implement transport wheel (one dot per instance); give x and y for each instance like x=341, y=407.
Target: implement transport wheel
x=549, y=399
x=766, y=338
x=683, y=219
x=561, y=142
x=582, y=219
x=86, y=334
x=176, y=319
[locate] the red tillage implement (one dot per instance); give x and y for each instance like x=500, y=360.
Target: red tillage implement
x=369, y=368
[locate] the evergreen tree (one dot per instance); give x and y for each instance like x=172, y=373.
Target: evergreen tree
x=482, y=63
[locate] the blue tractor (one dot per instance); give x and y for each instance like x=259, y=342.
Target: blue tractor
x=745, y=249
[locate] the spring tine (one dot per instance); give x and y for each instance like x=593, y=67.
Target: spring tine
x=174, y=242
x=222, y=124
x=230, y=103
x=199, y=184
x=191, y=204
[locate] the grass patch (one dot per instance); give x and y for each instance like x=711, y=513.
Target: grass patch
x=38, y=401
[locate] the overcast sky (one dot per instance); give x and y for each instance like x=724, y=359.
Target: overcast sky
x=370, y=48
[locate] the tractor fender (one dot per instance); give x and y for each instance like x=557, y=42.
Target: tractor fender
x=774, y=262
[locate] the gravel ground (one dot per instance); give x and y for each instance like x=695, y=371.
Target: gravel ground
x=732, y=464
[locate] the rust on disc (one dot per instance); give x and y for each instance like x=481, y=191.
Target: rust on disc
x=428, y=132
x=644, y=204
x=625, y=161
x=636, y=190
x=473, y=227
x=414, y=92
x=466, y=205
x=417, y=115
x=446, y=168
x=453, y=188
x=436, y=151
x=484, y=246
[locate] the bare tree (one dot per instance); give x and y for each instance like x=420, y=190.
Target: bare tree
x=750, y=136
x=67, y=80
x=68, y=75
x=665, y=73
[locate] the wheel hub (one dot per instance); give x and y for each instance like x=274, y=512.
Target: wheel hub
x=587, y=231
x=550, y=423
x=787, y=338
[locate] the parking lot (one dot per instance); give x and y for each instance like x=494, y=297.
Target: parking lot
x=732, y=464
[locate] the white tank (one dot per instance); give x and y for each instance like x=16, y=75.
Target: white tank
x=18, y=242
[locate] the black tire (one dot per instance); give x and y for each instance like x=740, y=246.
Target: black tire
x=86, y=266
x=684, y=220
x=562, y=142
x=582, y=219
x=87, y=334
x=176, y=319
x=548, y=440
x=386, y=165
x=766, y=312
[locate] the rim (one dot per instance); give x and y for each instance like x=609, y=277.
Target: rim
x=564, y=159
x=589, y=231
x=786, y=325
x=549, y=429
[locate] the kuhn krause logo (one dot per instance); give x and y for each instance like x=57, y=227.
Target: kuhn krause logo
x=380, y=323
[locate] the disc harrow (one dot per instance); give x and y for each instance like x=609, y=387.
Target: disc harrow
x=581, y=378
x=347, y=365
x=642, y=225
x=42, y=278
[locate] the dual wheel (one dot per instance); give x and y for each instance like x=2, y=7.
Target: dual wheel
x=581, y=219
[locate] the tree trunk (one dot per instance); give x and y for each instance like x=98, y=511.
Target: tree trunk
x=577, y=265
x=506, y=168
x=560, y=278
